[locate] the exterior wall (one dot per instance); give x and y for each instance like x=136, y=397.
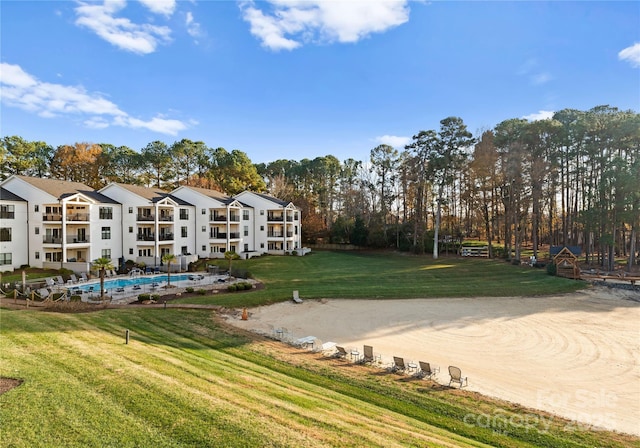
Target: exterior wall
x=18, y=247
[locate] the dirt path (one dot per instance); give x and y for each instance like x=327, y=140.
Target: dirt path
x=575, y=355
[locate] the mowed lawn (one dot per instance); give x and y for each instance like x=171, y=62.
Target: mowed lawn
x=186, y=379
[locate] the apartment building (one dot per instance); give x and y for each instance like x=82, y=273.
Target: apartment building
x=59, y=224
x=65, y=224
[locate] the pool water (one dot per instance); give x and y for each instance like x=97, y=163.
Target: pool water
x=130, y=282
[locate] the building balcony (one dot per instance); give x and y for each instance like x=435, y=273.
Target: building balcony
x=145, y=237
x=275, y=234
x=77, y=216
x=166, y=218
x=77, y=239
x=51, y=217
x=218, y=218
x=166, y=237
x=234, y=235
x=218, y=236
x=51, y=239
x=146, y=218
x=275, y=218
x=234, y=218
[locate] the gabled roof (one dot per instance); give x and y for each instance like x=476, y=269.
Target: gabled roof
x=61, y=189
x=213, y=194
x=151, y=193
x=6, y=195
x=275, y=200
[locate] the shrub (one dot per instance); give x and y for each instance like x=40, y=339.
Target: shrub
x=189, y=289
x=552, y=269
x=155, y=297
x=295, y=252
x=144, y=297
x=232, y=288
x=202, y=291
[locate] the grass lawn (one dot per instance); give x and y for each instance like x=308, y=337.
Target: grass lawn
x=186, y=380
x=387, y=276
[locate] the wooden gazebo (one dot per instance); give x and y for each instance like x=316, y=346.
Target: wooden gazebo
x=567, y=264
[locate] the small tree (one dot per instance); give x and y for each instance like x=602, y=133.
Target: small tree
x=231, y=255
x=168, y=258
x=102, y=264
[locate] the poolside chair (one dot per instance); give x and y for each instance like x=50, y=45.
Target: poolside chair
x=456, y=376
x=398, y=365
x=83, y=277
x=43, y=293
x=137, y=287
x=59, y=280
x=50, y=283
x=340, y=353
x=296, y=297
x=73, y=278
x=426, y=371
x=368, y=355
x=120, y=289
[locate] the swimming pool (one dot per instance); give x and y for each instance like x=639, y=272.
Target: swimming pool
x=142, y=281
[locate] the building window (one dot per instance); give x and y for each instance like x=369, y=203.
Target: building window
x=295, y=216
x=204, y=248
x=184, y=213
x=204, y=211
x=37, y=230
x=130, y=229
x=37, y=255
x=183, y=231
x=184, y=250
x=246, y=230
x=106, y=253
x=7, y=212
x=106, y=233
x=130, y=210
x=295, y=229
x=131, y=251
x=261, y=245
x=262, y=228
x=5, y=259
x=106, y=213
x=261, y=212
x=36, y=208
x=5, y=234
x=204, y=228
x=245, y=215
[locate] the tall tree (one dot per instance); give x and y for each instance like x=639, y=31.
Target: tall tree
x=156, y=159
x=81, y=162
x=384, y=162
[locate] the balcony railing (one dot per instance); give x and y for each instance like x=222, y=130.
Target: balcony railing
x=52, y=217
x=219, y=235
x=77, y=216
x=275, y=218
x=218, y=218
x=234, y=218
x=289, y=234
x=51, y=239
x=145, y=218
x=145, y=237
x=166, y=218
x=275, y=234
x=234, y=235
x=166, y=237
x=77, y=239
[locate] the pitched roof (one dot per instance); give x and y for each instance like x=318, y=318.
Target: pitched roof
x=151, y=193
x=214, y=194
x=272, y=199
x=6, y=195
x=61, y=189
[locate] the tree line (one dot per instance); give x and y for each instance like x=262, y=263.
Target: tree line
x=573, y=179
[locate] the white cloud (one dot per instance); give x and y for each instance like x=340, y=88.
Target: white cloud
x=397, y=142
x=119, y=31
x=540, y=115
x=193, y=28
x=631, y=54
x=291, y=23
x=540, y=78
x=530, y=69
x=20, y=89
x=165, y=7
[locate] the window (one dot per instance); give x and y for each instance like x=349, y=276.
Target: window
x=5, y=234
x=204, y=211
x=261, y=212
x=204, y=248
x=130, y=210
x=246, y=230
x=106, y=253
x=245, y=215
x=106, y=233
x=184, y=213
x=131, y=251
x=37, y=230
x=204, y=228
x=106, y=213
x=296, y=229
x=183, y=231
x=262, y=228
x=36, y=208
x=184, y=250
x=37, y=255
x=7, y=212
x=5, y=259
x=295, y=216
x=261, y=245
x=130, y=229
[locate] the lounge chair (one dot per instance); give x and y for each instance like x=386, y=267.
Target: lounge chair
x=340, y=353
x=398, y=365
x=59, y=280
x=296, y=297
x=73, y=278
x=368, y=355
x=50, y=283
x=43, y=293
x=426, y=371
x=456, y=376
x=83, y=277
x=120, y=289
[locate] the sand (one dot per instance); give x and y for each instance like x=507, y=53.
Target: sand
x=574, y=355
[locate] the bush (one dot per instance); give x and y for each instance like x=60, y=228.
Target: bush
x=202, y=291
x=155, y=297
x=189, y=289
x=144, y=297
x=232, y=288
x=552, y=269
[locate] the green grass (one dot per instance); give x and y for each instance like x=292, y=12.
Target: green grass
x=186, y=381
x=387, y=276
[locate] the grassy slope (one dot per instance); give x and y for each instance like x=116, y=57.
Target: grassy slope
x=185, y=380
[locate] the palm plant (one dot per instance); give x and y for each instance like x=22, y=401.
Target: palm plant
x=231, y=255
x=102, y=264
x=168, y=258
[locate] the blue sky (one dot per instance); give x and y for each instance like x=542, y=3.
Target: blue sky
x=301, y=79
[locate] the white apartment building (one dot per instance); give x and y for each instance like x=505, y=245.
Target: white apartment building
x=59, y=224
x=65, y=225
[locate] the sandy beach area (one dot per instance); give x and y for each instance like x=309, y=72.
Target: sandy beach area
x=574, y=355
